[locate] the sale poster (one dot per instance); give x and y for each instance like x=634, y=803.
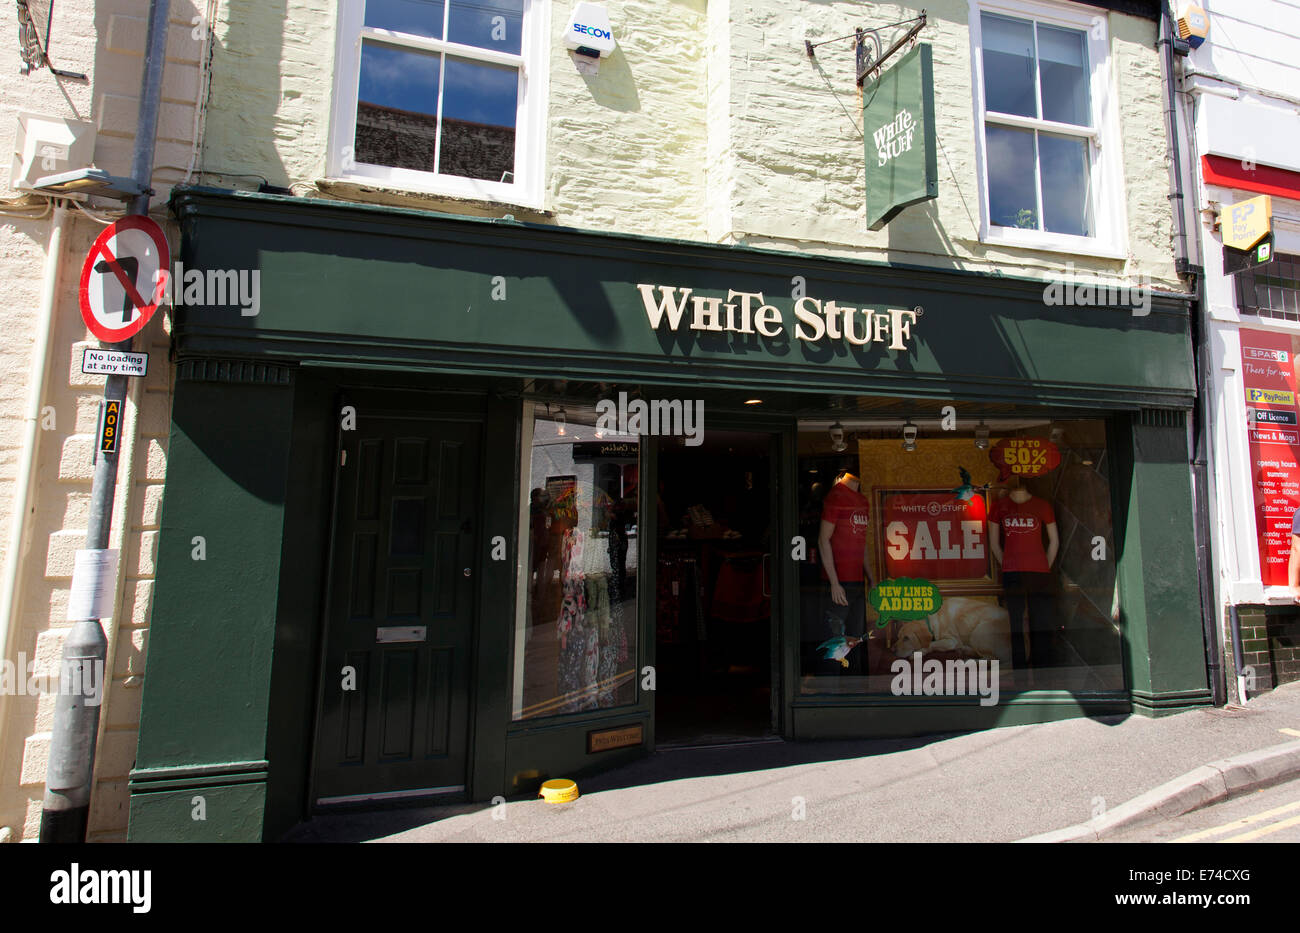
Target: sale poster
x=1268, y=377
x=935, y=535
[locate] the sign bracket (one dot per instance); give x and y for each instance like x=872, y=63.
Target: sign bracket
x=866, y=61
x=866, y=64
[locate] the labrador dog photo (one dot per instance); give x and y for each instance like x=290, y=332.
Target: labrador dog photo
x=970, y=627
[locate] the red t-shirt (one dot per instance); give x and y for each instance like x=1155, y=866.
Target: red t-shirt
x=851, y=514
x=1022, y=526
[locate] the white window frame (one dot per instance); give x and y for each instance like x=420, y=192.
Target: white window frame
x=530, y=118
x=1106, y=175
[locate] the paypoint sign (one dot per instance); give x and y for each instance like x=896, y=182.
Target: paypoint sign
x=898, y=125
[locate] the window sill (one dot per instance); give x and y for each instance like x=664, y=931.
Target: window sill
x=372, y=192
x=1278, y=596
x=1051, y=242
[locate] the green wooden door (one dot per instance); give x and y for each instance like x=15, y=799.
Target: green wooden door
x=393, y=718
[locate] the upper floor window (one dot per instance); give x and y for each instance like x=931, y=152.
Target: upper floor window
x=1044, y=127
x=443, y=96
x=1272, y=290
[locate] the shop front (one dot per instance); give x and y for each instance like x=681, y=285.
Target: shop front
x=485, y=503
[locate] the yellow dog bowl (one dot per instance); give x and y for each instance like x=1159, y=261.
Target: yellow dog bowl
x=560, y=790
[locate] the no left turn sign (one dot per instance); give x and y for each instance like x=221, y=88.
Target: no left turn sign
x=124, y=278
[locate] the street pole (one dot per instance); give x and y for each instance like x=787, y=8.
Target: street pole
x=69, y=776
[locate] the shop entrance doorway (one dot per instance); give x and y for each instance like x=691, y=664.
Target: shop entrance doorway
x=715, y=598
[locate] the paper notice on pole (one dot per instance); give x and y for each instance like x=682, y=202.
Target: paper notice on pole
x=94, y=579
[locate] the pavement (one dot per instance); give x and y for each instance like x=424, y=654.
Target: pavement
x=1075, y=780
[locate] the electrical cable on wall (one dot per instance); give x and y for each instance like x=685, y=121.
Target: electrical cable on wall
x=204, y=93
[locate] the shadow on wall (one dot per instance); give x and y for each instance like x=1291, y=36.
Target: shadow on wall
x=245, y=67
x=614, y=88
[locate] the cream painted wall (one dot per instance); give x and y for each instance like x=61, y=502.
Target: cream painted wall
x=105, y=40
x=798, y=152
x=709, y=122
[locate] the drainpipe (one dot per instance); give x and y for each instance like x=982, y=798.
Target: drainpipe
x=1201, y=355
x=1238, y=653
x=10, y=590
x=69, y=778
x=1182, y=261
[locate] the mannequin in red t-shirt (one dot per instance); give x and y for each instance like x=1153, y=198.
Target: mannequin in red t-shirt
x=1017, y=522
x=842, y=547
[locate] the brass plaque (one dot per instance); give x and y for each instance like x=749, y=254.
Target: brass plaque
x=621, y=737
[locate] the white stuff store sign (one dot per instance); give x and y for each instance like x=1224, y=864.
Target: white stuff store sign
x=809, y=319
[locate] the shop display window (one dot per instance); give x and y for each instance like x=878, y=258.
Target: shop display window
x=576, y=620
x=989, y=542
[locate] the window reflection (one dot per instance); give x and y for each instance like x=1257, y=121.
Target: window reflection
x=1013, y=198
x=397, y=109
x=1063, y=75
x=575, y=639
x=488, y=24
x=478, y=120
x=1008, y=65
x=415, y=17
x=1066, y=198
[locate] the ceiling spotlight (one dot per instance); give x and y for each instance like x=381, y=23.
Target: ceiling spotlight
x=909, y=435
x=837, y=438
x=753, y=401
x=560, y=422
x=982, y=435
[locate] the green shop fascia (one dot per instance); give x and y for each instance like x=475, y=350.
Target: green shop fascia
x=425, y=576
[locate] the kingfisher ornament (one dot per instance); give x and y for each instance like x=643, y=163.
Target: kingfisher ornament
x=967, y=489
x=838, y=648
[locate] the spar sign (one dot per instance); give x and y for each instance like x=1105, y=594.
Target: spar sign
x=124, y=278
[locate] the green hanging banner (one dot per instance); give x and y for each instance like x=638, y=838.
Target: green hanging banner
x=898, y=125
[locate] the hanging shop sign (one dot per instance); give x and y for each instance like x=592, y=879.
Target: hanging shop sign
x=898, y=126
x=1024, y=456
x=1248, y=222
x=1247, y=229
x=1268, y=375
x=935, y=535
x=748, y=313
x=1239, y=260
